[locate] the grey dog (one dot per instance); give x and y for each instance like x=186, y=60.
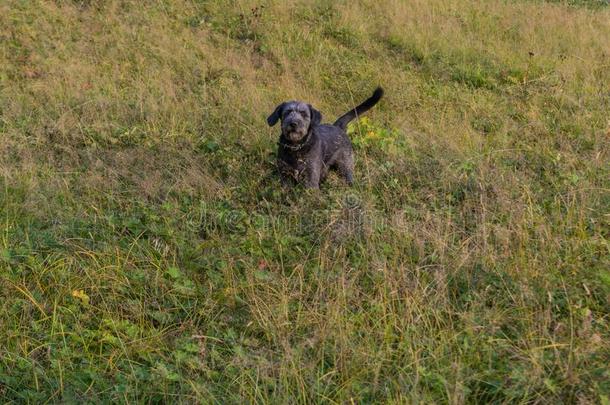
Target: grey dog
x=308, y=149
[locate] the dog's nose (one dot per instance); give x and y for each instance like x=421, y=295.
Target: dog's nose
x=293, y=125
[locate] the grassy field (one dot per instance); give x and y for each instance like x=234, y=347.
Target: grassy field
x=148, y=254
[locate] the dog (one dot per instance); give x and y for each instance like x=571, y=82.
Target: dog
x=308, y=149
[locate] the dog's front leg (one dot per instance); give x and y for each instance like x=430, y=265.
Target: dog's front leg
x=286, y=180
x=286, y=173
x=312, y=179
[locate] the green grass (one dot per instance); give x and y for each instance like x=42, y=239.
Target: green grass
x=148, y=254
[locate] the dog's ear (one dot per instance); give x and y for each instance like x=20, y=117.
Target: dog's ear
x=275, y=115
x=316, y=116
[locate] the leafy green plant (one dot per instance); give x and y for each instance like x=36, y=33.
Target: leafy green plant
x=369, y=135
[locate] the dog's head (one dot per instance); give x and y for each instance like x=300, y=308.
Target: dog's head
x=297, y=118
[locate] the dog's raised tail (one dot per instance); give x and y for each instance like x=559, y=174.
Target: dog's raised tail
x=361, y=109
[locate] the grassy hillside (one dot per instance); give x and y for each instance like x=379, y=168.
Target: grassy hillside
x=148, y=254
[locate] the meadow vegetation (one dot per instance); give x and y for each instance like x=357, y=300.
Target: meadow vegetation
x=148, y=254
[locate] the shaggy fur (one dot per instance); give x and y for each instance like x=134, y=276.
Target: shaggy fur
x=308, y=149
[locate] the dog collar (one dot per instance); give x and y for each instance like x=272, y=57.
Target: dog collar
x=296, y=147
